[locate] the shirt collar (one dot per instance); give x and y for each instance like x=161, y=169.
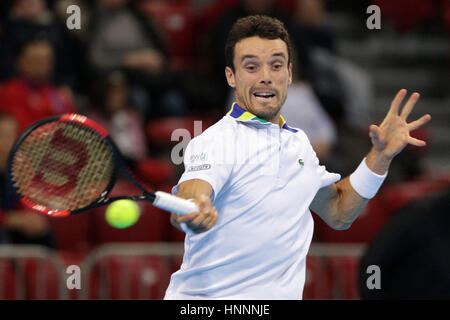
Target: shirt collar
x=242, y=115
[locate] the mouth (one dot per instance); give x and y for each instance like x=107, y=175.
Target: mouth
x=264, y=95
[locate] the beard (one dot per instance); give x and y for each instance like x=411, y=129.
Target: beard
x=267, y=114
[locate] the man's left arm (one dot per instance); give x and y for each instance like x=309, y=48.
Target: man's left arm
x=340, y=204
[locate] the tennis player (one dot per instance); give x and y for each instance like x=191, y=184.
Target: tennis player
x=255, y=179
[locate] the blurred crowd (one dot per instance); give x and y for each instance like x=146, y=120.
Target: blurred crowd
x=134, y=65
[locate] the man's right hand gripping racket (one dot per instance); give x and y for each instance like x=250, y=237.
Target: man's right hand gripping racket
x=65, y=165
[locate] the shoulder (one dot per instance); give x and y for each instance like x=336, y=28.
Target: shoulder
x=224, y=129
x=299, y=134
x=215, y=142
x=302, y=139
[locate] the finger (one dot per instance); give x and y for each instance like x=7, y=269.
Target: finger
x=215, y=216
x=418, y=123
x=416, y=142
x=211, y=219
x=374, y=132
x=395, y=105
x=206, y=222
x=188, y=217
x=199, y=220
x=409, y=105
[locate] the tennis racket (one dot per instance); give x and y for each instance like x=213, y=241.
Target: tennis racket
x=68, y=164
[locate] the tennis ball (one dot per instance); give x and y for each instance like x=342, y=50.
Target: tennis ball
x=122, y=214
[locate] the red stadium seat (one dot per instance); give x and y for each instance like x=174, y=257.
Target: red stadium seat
x=317, y=284
x=154, y=171
x=71, y=233
x=40, y=278
x=130, y=278
x=34, y=278
x=8, y=289
x=343, y=272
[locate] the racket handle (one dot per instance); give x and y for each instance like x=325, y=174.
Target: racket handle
x=174, y=204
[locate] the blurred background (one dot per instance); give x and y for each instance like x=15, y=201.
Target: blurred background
x=143, y=68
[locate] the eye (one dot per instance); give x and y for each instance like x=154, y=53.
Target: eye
x=250, y=67
x=277, y=66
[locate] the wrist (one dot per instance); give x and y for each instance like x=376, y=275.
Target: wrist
x=365, y=181
x=377, y=161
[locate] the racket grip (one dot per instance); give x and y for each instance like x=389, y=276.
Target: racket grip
x=174, y=204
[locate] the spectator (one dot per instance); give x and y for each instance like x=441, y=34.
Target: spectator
x=29, y=19
x=17, y=225
x=30, y=96
x=411, y=251
x=114, y=112
x=123, y=39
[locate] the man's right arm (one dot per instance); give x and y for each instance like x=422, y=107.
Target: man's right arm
x=200, y=191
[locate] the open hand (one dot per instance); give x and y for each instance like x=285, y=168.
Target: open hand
x=393, y=134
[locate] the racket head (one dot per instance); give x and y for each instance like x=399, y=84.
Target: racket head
x=63, y=165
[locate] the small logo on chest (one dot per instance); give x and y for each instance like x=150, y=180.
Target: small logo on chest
x=300, y=162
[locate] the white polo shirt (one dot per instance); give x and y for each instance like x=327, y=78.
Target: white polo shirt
x=264, y=178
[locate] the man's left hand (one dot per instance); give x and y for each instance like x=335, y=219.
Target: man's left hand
x=393, y=134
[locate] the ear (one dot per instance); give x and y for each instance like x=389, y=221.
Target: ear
x=229, y=74
x=290, y=73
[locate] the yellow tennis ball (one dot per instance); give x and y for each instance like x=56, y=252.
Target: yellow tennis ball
x=122, y=213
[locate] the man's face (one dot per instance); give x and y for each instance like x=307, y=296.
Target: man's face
x=36, y=62
x=261, y=77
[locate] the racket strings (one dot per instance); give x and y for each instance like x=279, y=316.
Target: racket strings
x=63, y=166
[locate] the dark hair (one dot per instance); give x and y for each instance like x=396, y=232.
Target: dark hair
x=257, y=25
x=39, y=38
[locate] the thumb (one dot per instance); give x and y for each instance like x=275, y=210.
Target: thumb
x=374, y=132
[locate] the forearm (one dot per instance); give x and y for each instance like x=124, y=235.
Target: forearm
x=348, y=204
x=341, y=203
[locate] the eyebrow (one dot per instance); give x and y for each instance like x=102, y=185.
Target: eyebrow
x=250, y=56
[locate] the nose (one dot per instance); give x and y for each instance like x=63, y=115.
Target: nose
x=265, y=76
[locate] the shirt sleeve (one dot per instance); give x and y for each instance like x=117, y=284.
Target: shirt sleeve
x=207, y=157
x=325, y=177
